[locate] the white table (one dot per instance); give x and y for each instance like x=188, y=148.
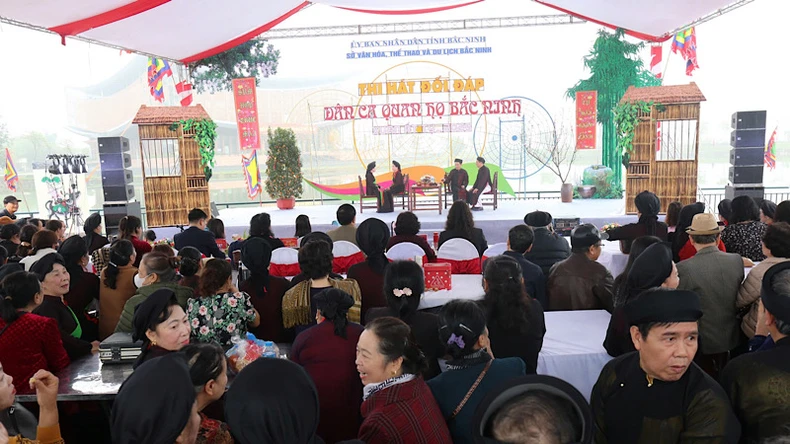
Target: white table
x=573, y=347
x=465, y=286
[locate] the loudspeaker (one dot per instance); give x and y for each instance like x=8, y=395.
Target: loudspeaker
x=115, y=161
x=120, y=193
x=748, y=120
x=747, y=156
x=113, y=213
x=108, y=145
x=116, y=178
x=746, y=174
x=731, y=192
x=747, y=138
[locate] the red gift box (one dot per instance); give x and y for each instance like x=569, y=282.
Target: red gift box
x=438, y=276
x=290, y=242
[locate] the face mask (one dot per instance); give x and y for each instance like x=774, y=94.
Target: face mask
x=138, y=281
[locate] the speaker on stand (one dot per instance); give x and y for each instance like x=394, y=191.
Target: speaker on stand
x=746, y=156
x=117, y=182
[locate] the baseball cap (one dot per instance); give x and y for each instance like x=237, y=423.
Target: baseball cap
x=10, y=199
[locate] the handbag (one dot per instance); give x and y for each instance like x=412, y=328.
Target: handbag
x=470, y=392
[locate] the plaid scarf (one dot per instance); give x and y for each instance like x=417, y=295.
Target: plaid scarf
x=475, y=358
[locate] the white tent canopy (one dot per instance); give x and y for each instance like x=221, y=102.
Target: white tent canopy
x=189, y=30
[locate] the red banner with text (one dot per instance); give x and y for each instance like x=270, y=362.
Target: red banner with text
x=586, y=119
x=246, y=101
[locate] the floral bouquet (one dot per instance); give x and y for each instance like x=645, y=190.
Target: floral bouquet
x=165, y=241
x=428, y=180
x=611, y=226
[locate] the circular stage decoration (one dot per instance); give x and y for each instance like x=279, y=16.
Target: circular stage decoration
x=520, y=145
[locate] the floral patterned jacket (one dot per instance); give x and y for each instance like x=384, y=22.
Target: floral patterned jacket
x=219, y=317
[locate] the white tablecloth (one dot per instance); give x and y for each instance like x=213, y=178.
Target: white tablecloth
x=573, y=347
x=465, y=286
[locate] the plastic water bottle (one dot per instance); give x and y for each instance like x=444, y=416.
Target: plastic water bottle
x=270, y=350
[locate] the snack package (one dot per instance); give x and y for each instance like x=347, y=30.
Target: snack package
x=243, y=352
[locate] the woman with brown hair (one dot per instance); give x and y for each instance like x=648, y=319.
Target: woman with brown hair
x=461, y=224
x=44, y=242
x=131, y=229
x=222, y=311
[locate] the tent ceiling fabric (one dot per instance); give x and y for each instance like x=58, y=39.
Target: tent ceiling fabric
x=189, y=30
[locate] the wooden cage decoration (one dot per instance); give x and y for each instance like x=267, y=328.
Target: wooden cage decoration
x=173, y=178
x=665, y=153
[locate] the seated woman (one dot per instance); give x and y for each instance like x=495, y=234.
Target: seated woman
x=156, y=404
x=404, y=284
x=266, y=292
x=44, y=242
x=397, y=405
x=131, y=229
x=208, y=370
x=776, y=247
x=93, y=229
x=681, y=242
x=372, y=238
x=652, y=268
x=54, y=279
x=314, y=236
x=28, y=342
x=261, y=226
x=45, y=385
x=648, y=205
x=25, y=242
x=725, y=211
x=745, y=232
x=515, y=321
x=273, y=401
x=217, y=228
x=161, y=324
x=83, y=286
x=372, y=188
x=472, y=372
x=461, y=224
x=327, y=352
x=619, y=290
x=117, y=286
x=190, y=266
x=398, y=186
x=782, y=213
x=303, y=227
x=767, y=211
x=315, y=261
x=156, y=272
x=223, y=311
x=407, y=228
x=671, y=219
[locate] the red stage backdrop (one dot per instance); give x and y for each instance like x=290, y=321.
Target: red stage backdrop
x=586, y=115
x=246, y=102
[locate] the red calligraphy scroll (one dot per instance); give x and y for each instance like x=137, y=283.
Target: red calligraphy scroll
x=586, y=119
x=246, y=101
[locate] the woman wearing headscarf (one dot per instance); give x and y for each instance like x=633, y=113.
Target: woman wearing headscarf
x=266, y=291
x=93, y=237
x=472, y=371
x=327, y=352
x=161, y=324
x=371, y=187
x=156, y=405
x=687, y=214
x=83, y=286
x=398, y=186
x=620, y=288
x=767, y=211
x=273, y=401
x=653, y=268
x=648, y=205
x=372, y=238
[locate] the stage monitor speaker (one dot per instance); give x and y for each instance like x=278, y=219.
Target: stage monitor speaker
x=747, y=156
x=114, y=212
x=108, y=145
x=748, y=120
x=121, y=193
x=731, y=192
x=751, y=138
x=116, y=178
x=746, y=174
x=115, y=161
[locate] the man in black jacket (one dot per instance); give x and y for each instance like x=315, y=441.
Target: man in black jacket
x=482, y=185
x=519, y=242
x=197, y=236
x=548, y=248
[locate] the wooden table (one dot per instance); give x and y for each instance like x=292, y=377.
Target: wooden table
x=430, y=204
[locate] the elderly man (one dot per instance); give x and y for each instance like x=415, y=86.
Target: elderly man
x=548, y=248
x=758, y=382
x=458, y=180
x=580, y=282
x=657, y=394
x=716, y=277
x=482, y=185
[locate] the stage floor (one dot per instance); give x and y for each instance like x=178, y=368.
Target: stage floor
x=495, y=224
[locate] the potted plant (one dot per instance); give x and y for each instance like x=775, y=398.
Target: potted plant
x=562, y=155
x=283, y=168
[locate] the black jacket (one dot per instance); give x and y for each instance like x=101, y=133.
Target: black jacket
x=478, y=239
x=547, y=249
x=534, y=279
x=202, y=240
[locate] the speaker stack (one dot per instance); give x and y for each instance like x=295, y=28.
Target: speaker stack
x=117, y=181
x=747, y=154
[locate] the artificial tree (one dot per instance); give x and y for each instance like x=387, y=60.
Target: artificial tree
x=614, y=65
x=283, y=167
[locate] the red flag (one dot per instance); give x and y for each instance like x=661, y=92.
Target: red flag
x=655, y=60
x=658, y=136
x=184, y=91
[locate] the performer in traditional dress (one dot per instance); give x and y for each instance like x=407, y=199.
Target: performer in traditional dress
x=482, y=185
x=657, y=394
x=458, y=180
x=387, y=202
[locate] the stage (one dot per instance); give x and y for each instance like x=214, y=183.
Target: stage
x=495, y=224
